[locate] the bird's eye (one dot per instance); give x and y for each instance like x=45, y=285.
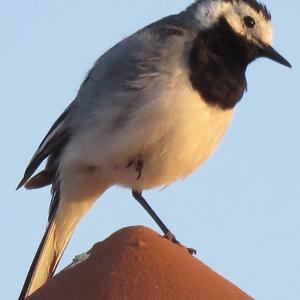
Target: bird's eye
x=249, y=22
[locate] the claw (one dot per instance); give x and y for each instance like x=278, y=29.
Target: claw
x=191, y=251
x=171, y=237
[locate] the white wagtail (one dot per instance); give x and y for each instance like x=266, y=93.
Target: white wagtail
x=150, y=111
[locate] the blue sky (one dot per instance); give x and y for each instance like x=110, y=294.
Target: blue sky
x=240, y=210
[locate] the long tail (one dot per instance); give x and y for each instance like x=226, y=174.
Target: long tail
x=53, y=244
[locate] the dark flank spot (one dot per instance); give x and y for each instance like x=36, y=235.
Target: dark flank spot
x=139, y=168
x=138, y=165
x=218, y=61
x=129, y=164
x=90, y=168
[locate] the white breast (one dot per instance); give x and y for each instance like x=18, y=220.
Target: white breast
x=180, y=132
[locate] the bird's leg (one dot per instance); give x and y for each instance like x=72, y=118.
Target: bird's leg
x=142, y=201
x=167, y=233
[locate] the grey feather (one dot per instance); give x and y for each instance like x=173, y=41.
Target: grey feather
x=50, y=147
x=130, y=65
x=119, y=77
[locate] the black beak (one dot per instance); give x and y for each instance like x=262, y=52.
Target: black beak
x=270, y=52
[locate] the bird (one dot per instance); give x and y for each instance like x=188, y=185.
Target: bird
x=150, y=111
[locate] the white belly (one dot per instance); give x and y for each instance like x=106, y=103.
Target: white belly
x=185, y=132
x=172, y=134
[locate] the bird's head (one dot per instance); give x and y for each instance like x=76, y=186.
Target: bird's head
x=248, y=19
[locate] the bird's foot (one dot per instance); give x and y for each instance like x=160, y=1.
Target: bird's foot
x=171, y=237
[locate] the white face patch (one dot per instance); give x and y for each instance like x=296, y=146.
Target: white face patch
x=208, y=13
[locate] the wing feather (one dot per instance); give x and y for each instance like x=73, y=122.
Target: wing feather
x=51, y=146
x=59, y=133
